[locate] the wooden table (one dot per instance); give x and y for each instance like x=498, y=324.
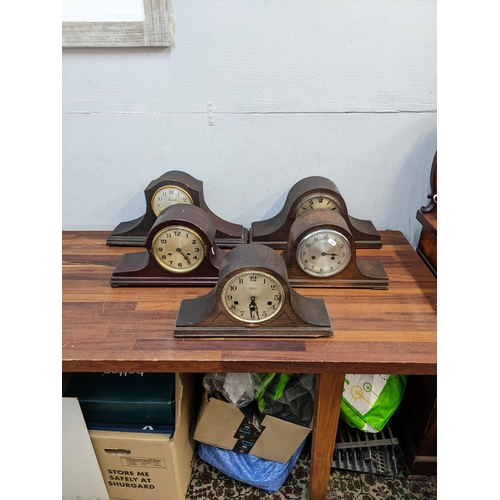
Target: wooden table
x=131, y=329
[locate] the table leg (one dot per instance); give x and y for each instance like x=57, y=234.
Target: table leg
x=328, y=396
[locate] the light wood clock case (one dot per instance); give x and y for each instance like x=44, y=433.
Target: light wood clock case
x=321, y=252
x=172, y=188
x=308, y=194
x=253, y=298
x=180, y=250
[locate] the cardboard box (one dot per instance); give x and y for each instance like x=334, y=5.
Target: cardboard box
x=150, y=466
x=222, y=424
x=124, y=397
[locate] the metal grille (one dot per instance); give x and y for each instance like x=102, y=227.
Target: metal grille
x=365, y=452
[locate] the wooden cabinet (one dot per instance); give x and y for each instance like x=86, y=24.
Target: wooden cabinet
x=427, y=216
x=415, y=425
x=415, y=421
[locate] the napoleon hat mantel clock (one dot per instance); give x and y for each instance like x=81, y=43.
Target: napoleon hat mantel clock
x=308, y=194
x=180, y=250
x=321, y=252
x=172, y=188
x=253, y=298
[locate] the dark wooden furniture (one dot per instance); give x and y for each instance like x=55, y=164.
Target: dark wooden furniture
x=131, y=329
x=134, y=232
x=275, y=310
x=274, y=231
x=359, y=272
x=415, y=425
x=427, y=244
x=427, y=216
x=143, y=269
x=416, y=418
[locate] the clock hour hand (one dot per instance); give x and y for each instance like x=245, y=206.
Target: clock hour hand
x=253, y=307
x=181, y=252
x=333, y=243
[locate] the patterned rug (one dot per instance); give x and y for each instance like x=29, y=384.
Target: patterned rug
x=207, y=483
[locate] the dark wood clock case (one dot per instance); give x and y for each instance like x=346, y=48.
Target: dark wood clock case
x=206, y=316
x=135, y=232
x=274, y=232
x=141, y=268
x=359, y=273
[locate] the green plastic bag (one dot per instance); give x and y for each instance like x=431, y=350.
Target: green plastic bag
x=287, y=396
x=369, y=401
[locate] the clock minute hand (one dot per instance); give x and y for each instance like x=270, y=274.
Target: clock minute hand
x=333, y=243
x=253, y=307
x=181, y=252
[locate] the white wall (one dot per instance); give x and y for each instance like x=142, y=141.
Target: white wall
x=345, y=89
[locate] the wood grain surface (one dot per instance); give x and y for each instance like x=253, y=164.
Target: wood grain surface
x=131, y=329
x=152, y=32
x=328, y=393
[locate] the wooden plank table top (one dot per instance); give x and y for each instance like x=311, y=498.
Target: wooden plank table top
x=131, y=328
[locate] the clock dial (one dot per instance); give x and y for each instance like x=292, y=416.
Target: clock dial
x=317, y=201
x=178, y=249
x=253, y=296
x=167, y=196
x=324, y=252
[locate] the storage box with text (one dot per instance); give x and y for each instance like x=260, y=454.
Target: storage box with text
x=124, y=397
x=150, y=466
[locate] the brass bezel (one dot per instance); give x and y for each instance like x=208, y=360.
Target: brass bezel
x=315, y=195
x=177, y=270
x=170, y=186
x=261, y=273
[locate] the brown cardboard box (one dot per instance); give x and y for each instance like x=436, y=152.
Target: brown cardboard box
x=219, y=424
x=150, y=466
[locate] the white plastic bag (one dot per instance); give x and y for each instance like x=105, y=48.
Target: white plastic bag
x=237, y=388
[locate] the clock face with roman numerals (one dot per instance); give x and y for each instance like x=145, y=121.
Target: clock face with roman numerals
x=178, y=249
x=167, y=196
x=317, y=201
x=253, y=296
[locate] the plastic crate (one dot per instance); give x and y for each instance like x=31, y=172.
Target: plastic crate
x=359, y=451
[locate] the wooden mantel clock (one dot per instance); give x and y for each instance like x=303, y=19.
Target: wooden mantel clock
x=174, y=187
x=180, y=250
x=321, y=252
x=309, y=194
x=253, y=298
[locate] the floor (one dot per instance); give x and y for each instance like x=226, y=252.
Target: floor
x=208, y=483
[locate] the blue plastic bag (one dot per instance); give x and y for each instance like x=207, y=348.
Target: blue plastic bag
x=265, y=474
